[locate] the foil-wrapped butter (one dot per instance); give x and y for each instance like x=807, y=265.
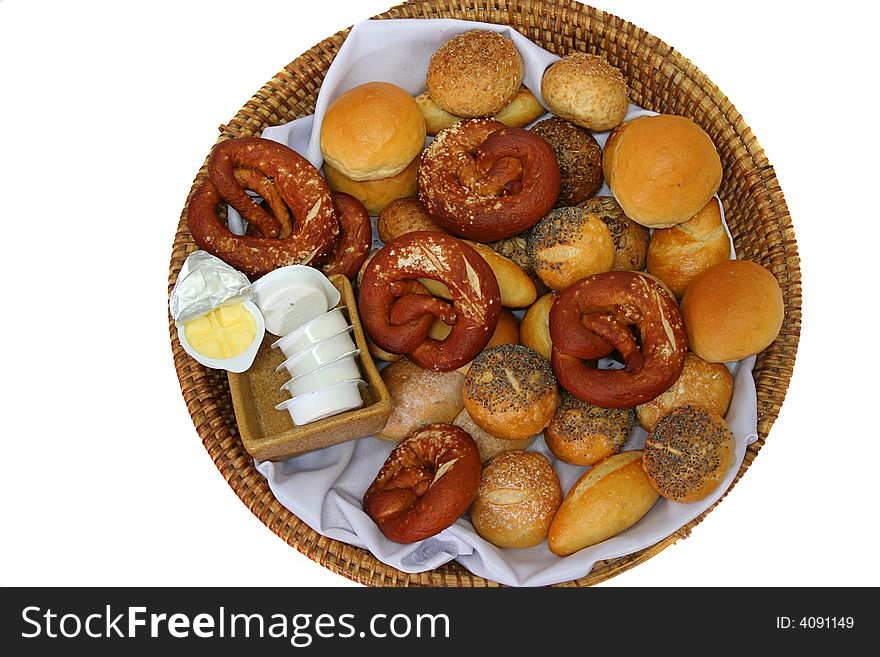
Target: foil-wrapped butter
x=206, y=282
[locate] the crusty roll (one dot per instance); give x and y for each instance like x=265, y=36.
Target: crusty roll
x=732, y=310
x=510, y=391
x=630, y=239
x=375, y=194
x=372, y=131
x=583, y=434
x=586, y=90
x=610, y=497
x=518, y=496
x=402, y=216
x=688, y=453
x=490, y=446
x=707, y=385
x=579, y=157
x=506, y=332
x=661, y=169
x=419, y=397
x=522, y=110
x=677, y=254
x=474, y=74
x=534, y=329
x=568, y=245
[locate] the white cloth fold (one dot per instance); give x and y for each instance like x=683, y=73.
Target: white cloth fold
x=325, y=488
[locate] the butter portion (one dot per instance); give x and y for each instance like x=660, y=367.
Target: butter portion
x=224, y=332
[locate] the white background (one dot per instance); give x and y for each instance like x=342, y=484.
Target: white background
x=107, y=110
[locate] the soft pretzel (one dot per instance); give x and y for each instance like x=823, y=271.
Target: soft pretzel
x=310, y=239
x=355, y=237
x=398, y=319
x=593, y=317
x=428, y=481
x=484, y=181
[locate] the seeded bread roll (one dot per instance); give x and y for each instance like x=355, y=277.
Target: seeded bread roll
x=631, y=240
x=688, y=453
x=518, y=496
x=490, y=446
x=511, y=392
x=583, y=434
x=568, y=245
x=586, y=90
x=579, y=157
x=707, y=385
x=475, y=74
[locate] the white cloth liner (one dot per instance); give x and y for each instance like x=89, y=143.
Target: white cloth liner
x=324, y=488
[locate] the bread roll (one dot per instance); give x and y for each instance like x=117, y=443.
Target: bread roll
x=372, y=131
x=661, y=169
x=732, y=310
x=518, y=496
x=489, y=445
x=402, y=216
x=583, y=434
x=522, y=110
x=511, y=392
x=586, y=90
x=630, y=239
x=676, y=255
x=419, y=397
x=506, y=332
x=707, y=385
x=569, y=244
x=610, y=497
x=579, y=157
x=375, y=194
x=688, y=453
x=474, y=74
x=534, y=329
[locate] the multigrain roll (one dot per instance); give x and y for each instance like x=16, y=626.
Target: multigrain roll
x=579, y=157
x=583, y=434
x=661, y=169
x=372, y=131
x=375, y=194
x=586, y=90
x=522, y=110
x=630, y=239
x=688, y=453
x=732, y=310
x=534, y=329
x=475, y=74
x=419, y=397
x=568, y=245
x=518, y=496
x=707, y=385
x=511, y=392
x=677, y=254
x=610, y=497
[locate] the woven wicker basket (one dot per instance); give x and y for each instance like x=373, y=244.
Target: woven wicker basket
x=661, y=80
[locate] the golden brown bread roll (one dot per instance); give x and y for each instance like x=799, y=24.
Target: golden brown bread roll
x=579, y=156
x=568, y=245
x=583, y=434
x=490, y=446
x=677, y=254
x=586, y=90
x=511, y=392
x=419, y=397
x=688, y=453
x=630, y=239
x=518, y=496
x=610, y=497
x=661, y=169
x=402, y=216
x=522, y=110
x=474, y=74
x=372, y=131
x=534, y=329
x=707, y=385
x=732, y=310
x=375, y=194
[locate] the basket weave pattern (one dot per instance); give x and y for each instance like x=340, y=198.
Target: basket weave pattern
x=660, y=79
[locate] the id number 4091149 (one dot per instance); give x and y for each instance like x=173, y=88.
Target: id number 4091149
x=815, y=623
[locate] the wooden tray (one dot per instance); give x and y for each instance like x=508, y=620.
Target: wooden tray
x=269, y=434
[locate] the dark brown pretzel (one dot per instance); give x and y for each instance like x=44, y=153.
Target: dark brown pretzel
x=298, y=184
x=355, y=237
x=428, y=481
x=398, y=319
x=593, y=317
x=484, y=181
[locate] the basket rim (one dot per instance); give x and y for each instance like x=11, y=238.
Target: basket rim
x=355, y=563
